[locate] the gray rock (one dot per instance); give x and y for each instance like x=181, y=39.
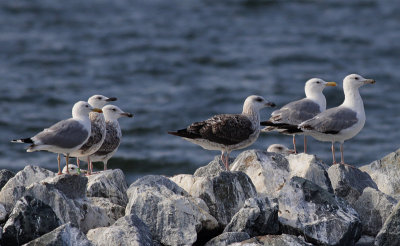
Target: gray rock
x=63, y=235
x=270, y=171
x=112, y=210
x=170, y=213
x=93, y=216
x=109, y=184
x=390, y=232
x=307, y=209
x=213, y=168
x=128, y=230
x=366, y=241
x=259, y=216
x=274, y=240
x=72, y=186
x=3, y=213
x=15, y=188
x=5, y=175
x=385, y=173
x=227, y=238
x=373, y=207
x=29, y=219
x=349, y=182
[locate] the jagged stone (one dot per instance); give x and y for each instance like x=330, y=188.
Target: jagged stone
x=227, y=238
x=170, y=213
x=270, y=171
x=274, y=240
x=321, y=217
x=390, y=232
x=15, y=188
x=259, y=216
x=128, y=230
x=365, y=241
x=109, y=184
x=112, y=210
x=373, y=207
x=3, y=213
x=5, y=175
x=385, y=173
x=349, y=182
x=63, y=235
x=213, y=168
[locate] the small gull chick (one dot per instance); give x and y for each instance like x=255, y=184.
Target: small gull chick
x=340, y=123
x=72, y=169
x=227, y=132
x=65, y=136
x=286, y=119
x=113, y=134
x=280, y=149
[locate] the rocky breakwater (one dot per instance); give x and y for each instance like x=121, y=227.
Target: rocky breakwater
x=266, y=199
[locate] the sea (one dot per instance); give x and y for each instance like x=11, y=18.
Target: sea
x=175, y=62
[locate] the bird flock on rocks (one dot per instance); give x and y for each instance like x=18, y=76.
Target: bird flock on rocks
x=93, y=133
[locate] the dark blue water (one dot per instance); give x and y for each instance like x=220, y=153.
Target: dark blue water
x=175, y=62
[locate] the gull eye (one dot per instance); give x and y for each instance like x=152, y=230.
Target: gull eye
x=259, y=99
x=114, y=109
x=318, y=82
x=99, y=98
x=356, y=78
x=87, y=106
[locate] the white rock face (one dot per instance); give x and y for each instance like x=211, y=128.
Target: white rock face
x=173, y=217
x=274, y=240
x=385, y=173
x=269, y=172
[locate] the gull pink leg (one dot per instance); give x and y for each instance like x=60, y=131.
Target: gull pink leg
x=59, y=165
x=333, y=153
x=294, y=144
x=305, y=144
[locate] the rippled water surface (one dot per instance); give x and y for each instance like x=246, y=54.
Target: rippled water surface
x=175, y=62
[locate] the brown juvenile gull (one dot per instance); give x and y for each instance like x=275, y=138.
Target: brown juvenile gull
x=65, y=136
x=286, y=119
x=113, y=134
x=343, y=122
x=98, y=130
x=227, y=132
x=280, y=149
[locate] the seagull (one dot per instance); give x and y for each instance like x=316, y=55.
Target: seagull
x=343, y=122
x=98, y=130
x=227, y=132
x=286, y=119
x=72, y=169
x=280, y=149
x=66, y=136
x=113, y=134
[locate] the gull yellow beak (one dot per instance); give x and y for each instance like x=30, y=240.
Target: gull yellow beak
x=97, y=110
x=369, y=81
x=330, y=84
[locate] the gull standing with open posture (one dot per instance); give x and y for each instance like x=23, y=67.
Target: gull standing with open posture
x=113, y=134
x=343, y=122
x=98, y=130
x=65, y=136
x=286, y=119
x=227, y=132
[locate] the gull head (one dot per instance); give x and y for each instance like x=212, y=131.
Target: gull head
x=73, y=169
x=316, y=85
x=256, y=103
x=82, y=108
x=98, y=101
x=356, y=81
x=280, y=149
x=112, y=112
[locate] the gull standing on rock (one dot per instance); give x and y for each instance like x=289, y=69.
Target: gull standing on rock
x=113, y=134
x=227, y=132
x=98, y=130
x=65, y=136
x=343, y=122
x=287, y=119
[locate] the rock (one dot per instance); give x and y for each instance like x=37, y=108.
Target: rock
x=373, y=207
x=274, y=240
x=14, y=189
x=63, y=235
x=29, y=219
x=223, y=192
x=227, y=238
x=390, y=232
x=128, y=230
x=321, y=217
x=170, y=213
x=349, y=182
x=258, y=217
x=213, y=168
x=93, y=216
x=5, y=175
x=72, y=186
x=385, y=173
x=366, y=241
x=270, y=171
x=112, y=210
x=3, y=213
x=109, y=184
